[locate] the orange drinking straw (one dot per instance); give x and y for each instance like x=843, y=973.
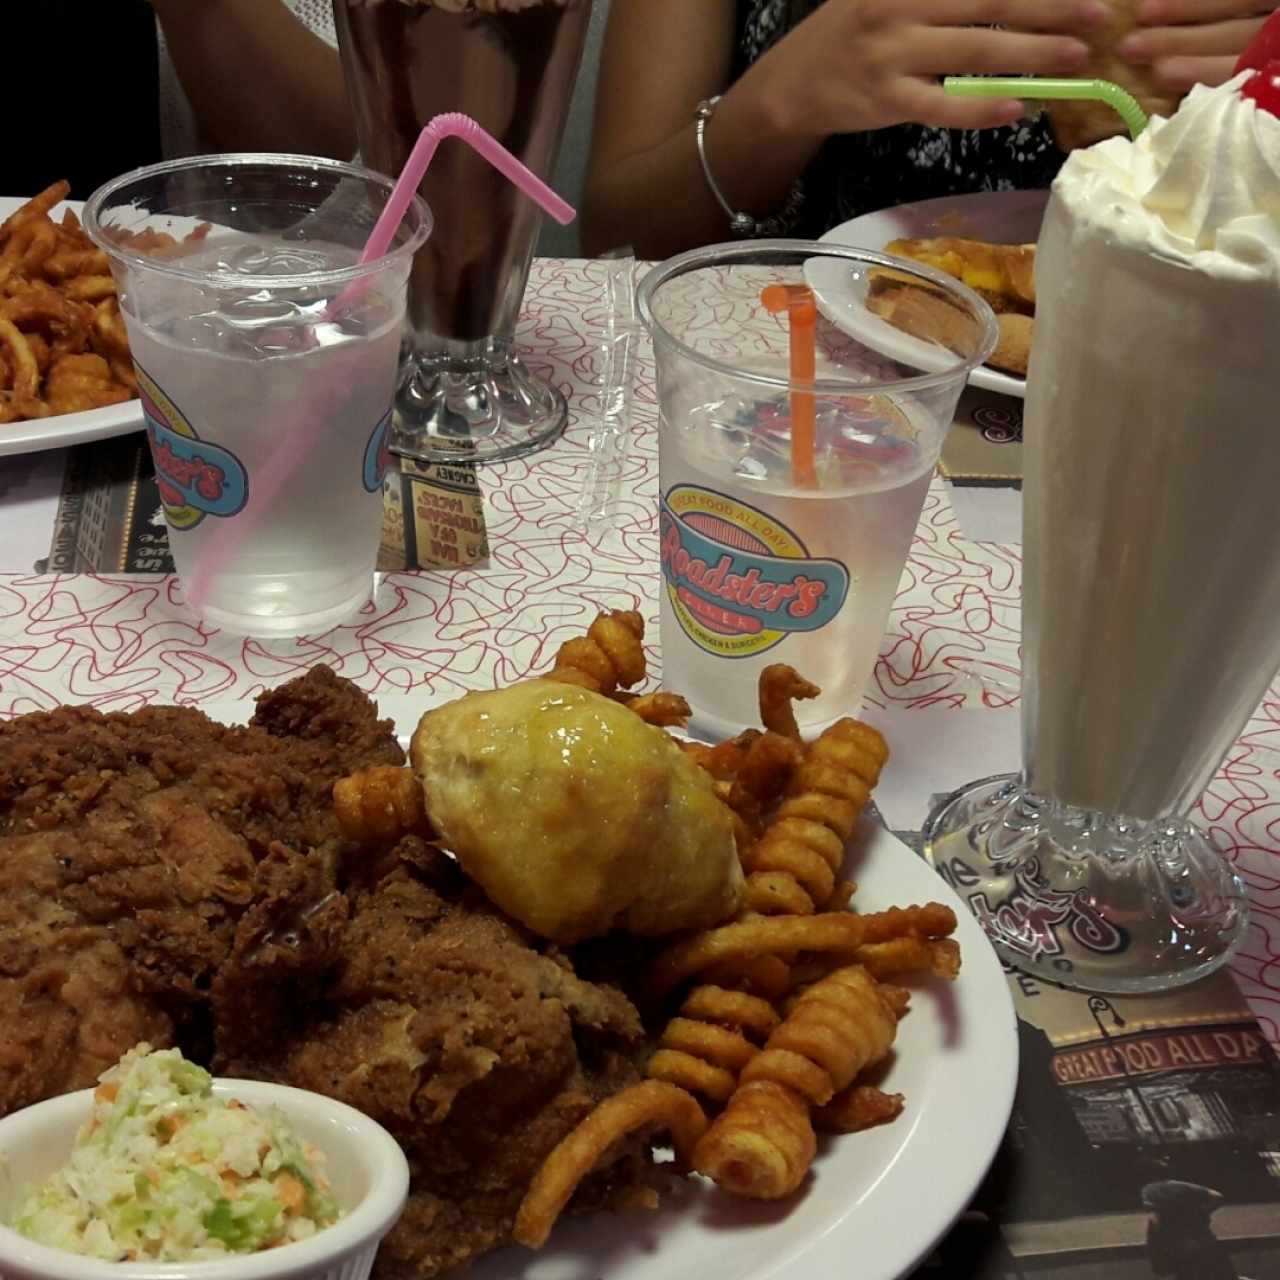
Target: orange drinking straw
x=802, y=318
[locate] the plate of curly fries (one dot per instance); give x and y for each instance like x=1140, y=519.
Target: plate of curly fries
x=65, y=372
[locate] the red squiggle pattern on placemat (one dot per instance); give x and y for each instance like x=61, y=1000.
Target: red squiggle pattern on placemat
x=121, y=642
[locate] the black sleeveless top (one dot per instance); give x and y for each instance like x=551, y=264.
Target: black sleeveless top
x=98, y=115
x=857, y=173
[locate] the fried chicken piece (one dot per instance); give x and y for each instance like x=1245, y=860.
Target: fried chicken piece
x=438, y=1019
x=130, y=846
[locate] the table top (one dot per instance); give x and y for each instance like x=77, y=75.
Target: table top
x=573, y=530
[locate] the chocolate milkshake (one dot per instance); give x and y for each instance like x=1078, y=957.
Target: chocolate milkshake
x=511, y=66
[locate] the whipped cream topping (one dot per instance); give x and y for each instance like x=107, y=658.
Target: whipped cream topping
x=1203, y=185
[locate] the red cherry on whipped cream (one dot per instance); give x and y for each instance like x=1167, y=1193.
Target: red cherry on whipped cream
x=1264, y=48
x=1264, y=87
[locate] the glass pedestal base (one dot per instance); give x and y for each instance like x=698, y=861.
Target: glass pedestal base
x=475, y=402
x=1085, y=899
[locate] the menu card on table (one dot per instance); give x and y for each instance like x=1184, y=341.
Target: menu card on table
x=111, y=520
x=1144, y=1141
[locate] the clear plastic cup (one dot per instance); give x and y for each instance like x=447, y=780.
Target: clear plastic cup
x=764, y=561
x=266, y=359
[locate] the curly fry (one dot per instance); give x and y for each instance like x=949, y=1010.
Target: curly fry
x=381, y=803
x=778, y=686
x=859, y=1107
x=768, y=977
x=775, y=893
x=761, y=1146
x=31, y=244
x=761, y=935
x=610, y=655
x=25, y=373
x=66, y=264
x=828, y=790
x=717, y=1033
x=663, y=709
x=835, y=1029
x=767, y=768
x=90, y=288
x=652, y=1104
x=37, y=207
x=724, y=761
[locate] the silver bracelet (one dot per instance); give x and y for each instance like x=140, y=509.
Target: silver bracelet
x=740, y=224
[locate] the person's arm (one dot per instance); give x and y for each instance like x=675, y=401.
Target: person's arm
x=257, y=79
x=1189, y=42
x=852, y=65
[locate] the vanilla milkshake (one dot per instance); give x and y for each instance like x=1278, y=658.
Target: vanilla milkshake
x=1152, y=451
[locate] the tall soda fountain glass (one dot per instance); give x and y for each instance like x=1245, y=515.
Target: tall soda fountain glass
x=798, y=431
x=1151, y=595
x=511, y=66
x=266, y=357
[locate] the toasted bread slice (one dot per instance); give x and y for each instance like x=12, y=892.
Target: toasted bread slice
x=917, y=308
x=1004, y=274
x=922, y=311
x=1013, y=349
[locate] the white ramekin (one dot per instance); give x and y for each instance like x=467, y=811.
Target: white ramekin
x=364, y=1163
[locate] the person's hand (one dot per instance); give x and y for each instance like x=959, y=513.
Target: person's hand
x=866, y=64
x=1187, y=42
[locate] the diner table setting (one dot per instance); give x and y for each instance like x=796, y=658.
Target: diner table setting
x=720, y=737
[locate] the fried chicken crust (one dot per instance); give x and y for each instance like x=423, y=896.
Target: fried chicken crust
x=130, y=845
x=167, y=878
x=439, y=1019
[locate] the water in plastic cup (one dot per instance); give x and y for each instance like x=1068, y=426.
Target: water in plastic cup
x=760, y=566
x=267, y=407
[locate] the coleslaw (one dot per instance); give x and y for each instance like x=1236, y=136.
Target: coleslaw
x=163, y=1170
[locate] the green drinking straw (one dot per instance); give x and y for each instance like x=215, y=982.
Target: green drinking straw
x=1035, y=88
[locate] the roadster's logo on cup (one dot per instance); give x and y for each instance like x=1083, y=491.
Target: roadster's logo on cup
x=377, y=454
x=738, y=580
x=195, y=477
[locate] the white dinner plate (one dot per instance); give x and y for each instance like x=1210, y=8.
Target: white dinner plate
x=1001, y=217
x=66, y=428
x=877, y=1202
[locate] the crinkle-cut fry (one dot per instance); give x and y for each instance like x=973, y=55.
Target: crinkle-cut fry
x=716, y=1034
x=761, y=1146
x=663, y=709
x=930, y=920
x=381, y=803
x=24, y=372
x=37, y=207
x=778, y=687
x=835, y=1029
x=768, y=977
x=939, y=957
x=610, y=655
x=652, y=1104
x=758, y=936
x=861, y=1106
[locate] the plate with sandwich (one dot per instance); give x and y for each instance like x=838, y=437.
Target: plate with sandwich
x=986, y=240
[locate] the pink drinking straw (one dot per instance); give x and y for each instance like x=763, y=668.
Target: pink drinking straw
x=284, y=461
